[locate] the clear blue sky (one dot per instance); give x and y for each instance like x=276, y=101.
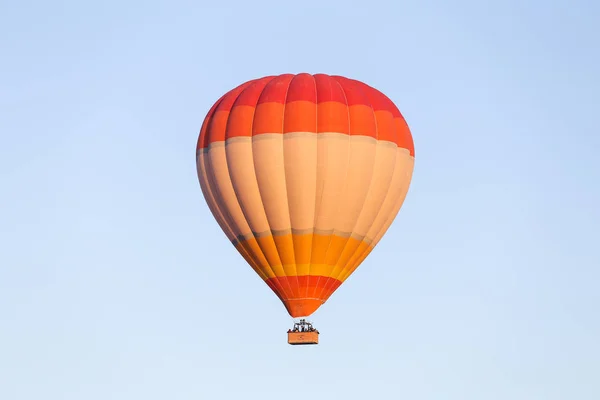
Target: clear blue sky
x=113, y=272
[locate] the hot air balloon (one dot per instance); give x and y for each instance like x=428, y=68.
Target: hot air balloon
x=304, y=174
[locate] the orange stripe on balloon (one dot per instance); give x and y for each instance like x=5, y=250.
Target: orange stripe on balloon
x=300, y=116
x=386, y=127
x=361, y=254
x=349, y=250
x=240, y=121
x=332, y=116
x=362, y=120
x=320, y=244
x=217, y=128
x=268, y=118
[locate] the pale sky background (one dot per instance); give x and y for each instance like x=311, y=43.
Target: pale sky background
x=116, y=283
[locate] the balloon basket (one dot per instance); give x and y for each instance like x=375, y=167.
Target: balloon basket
x=303, y=333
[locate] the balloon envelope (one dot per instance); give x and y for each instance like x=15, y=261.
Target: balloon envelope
x=304, y=174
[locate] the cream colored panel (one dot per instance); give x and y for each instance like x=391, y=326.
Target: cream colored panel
x=218, y=174
x=405, y=162
x=300, y=158
x=398, y=188
x=220, y=185
x=241, y=169
x=385, y=162
x=270, y=174
x=332, y=167
x=357, y=183
x=390, y=200
x=213, y=205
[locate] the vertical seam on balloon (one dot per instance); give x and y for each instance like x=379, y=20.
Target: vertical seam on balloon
x=287, y=195
x=330, y=279
x=222, y=222
x=371, y=245
x=349, y=266
x=207, y=191
x=312, y=238
x=342, y=268
x=320, y=202
x=211, y=182
x=276, y=279
x=383, y=228
x=227, y=161
x=346, y=180
x=397, y=207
